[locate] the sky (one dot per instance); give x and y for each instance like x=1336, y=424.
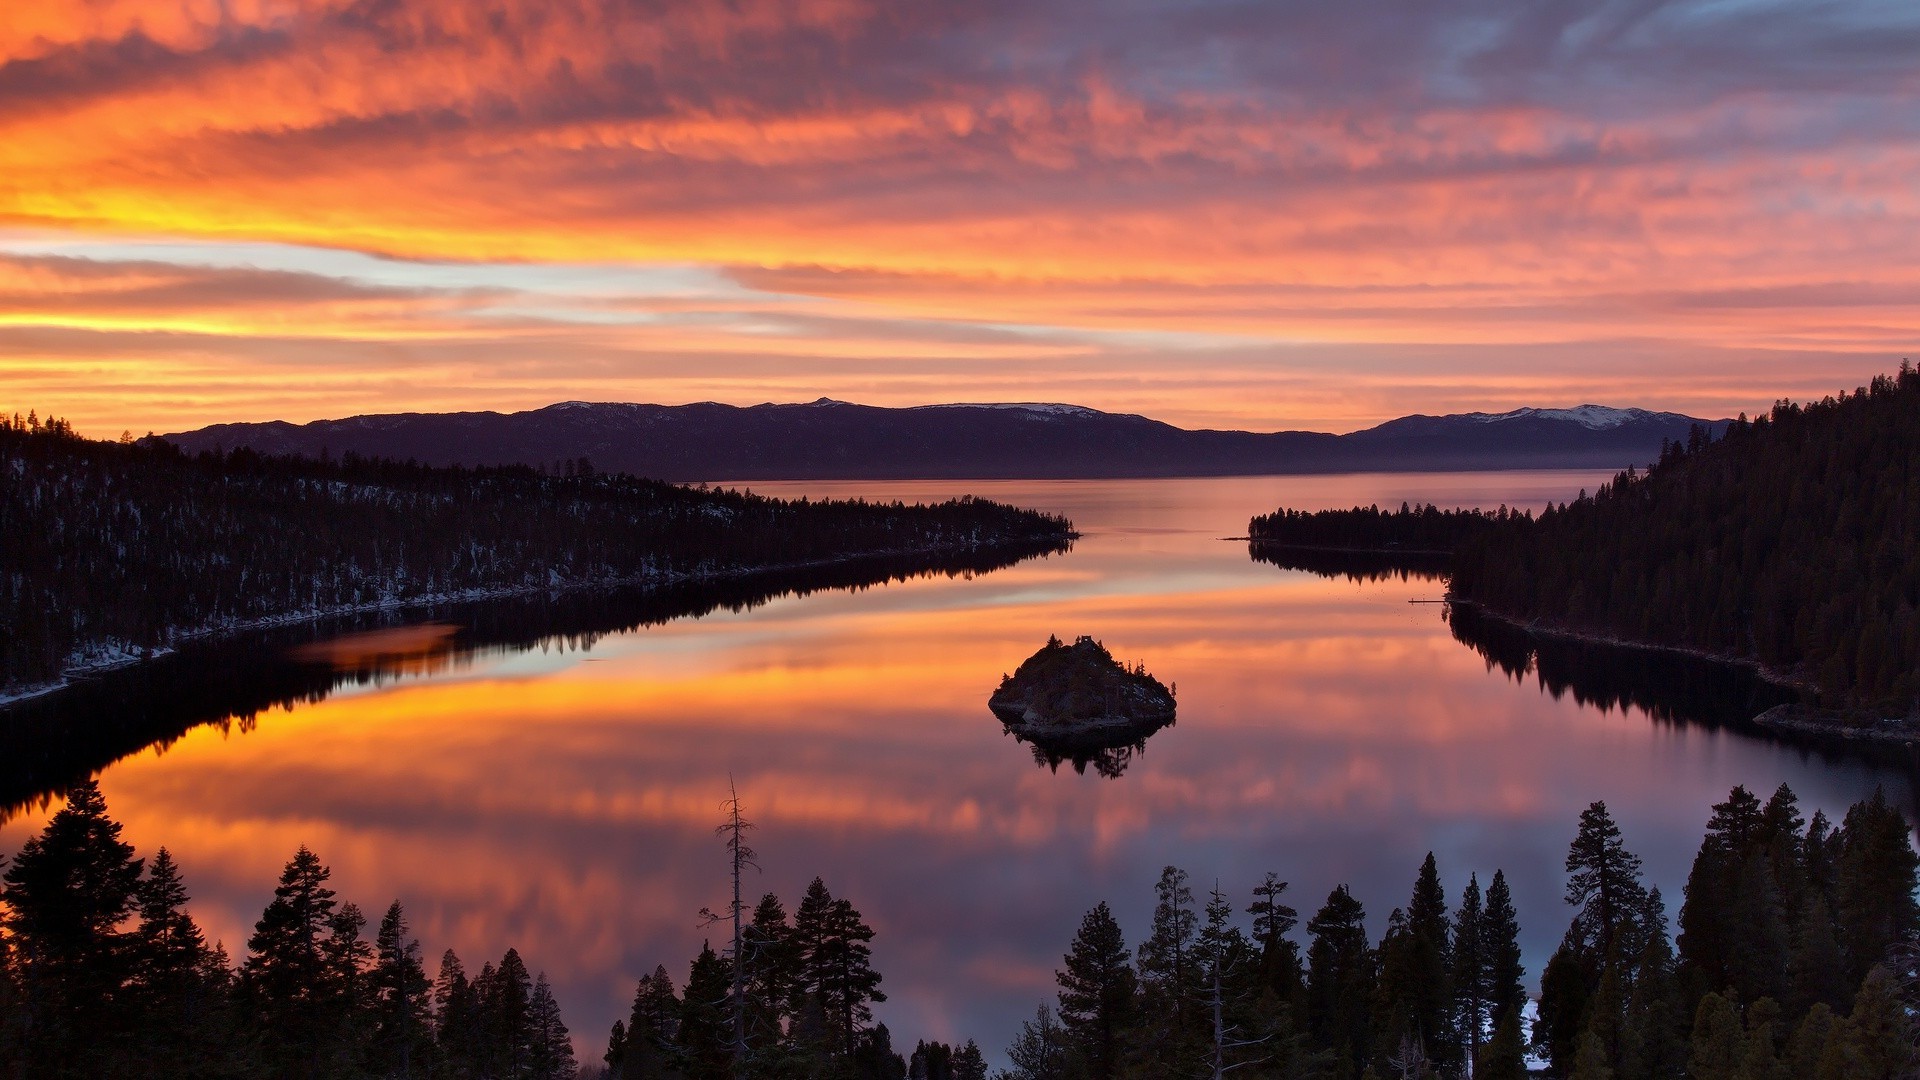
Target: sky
x=1262, y=215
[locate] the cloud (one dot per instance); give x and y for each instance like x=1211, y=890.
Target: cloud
x=1059, y=184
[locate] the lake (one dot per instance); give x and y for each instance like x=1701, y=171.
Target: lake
x=561, y=798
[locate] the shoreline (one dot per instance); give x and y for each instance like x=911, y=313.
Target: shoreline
x=114, y=656
x=1810, y=721
x=1551, y=630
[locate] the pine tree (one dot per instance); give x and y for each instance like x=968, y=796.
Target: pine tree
x=1280, y=968
x=1500, y=948
x=1170, y=977
x=295, y=997
x=506, y=1005
x=1874, y=885
x=1603, y=882
x=1340, y=978
x=1718, y=1043
x=1504, y=1055
x=1416, y=984
x=1656, y=1043
x=767, y=950
x=1470, y=979
x=456, y=1017
x=652, y=1032
x=1564, y=994
x=550, y=1049
x=616, y=1052
x=833, y=964
x=706, y=1030
x=66, y=894
x=181, y=1005
x=969, y=1063
x=1097, y=989
x=1879, y=1042
x=402, y=1044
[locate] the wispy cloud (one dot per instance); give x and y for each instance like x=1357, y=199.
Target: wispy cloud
x=648, y=197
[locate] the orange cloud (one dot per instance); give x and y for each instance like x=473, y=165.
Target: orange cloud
x=927, y=199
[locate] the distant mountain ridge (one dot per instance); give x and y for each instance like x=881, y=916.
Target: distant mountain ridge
x=828, y=439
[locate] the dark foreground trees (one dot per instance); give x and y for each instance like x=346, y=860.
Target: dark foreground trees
x=103, y=973
x=1796, y=956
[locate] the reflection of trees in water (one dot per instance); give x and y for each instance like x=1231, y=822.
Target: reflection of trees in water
x=1356, y=566
x=49, y=743
x=1110, y=756
x=1670, y=688
x=1667, y=686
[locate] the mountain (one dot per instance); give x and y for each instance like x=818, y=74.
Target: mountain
x=829, y=439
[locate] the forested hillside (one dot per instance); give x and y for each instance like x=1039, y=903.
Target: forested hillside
x=1793, y=541
x=110, y=549
x=1415, y=530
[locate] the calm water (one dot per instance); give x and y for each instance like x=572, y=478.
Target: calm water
x=562, y=801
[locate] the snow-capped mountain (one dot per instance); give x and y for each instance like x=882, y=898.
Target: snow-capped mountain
x=1596, y=417
x=828, y=439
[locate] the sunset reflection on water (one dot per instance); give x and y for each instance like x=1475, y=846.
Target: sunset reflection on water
x=563, y=802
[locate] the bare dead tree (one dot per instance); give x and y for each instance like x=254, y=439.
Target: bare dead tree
x=733, y=828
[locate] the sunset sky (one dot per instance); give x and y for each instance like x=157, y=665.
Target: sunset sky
x=1248, y=214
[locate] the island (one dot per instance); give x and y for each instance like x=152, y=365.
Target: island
x=1076, y=702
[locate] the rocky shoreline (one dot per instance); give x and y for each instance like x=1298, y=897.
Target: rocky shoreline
x=1835, y=724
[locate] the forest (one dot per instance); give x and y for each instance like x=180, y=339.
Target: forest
x=1793, y=955
x=1792, y=542
x=55, y=740
x=115, y=549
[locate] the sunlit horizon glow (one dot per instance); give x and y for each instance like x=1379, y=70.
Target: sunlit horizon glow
x=1226, y=214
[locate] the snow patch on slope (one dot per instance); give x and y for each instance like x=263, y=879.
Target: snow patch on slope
x=1592, y=417
x=1041, y=408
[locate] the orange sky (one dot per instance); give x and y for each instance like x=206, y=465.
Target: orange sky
x=1229, y=214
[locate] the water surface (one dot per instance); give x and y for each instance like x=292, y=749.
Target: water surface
x=561, y=799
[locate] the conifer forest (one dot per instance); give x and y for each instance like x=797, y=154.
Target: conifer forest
x=1793, y=542
x=1792, y=955
x=114, y=550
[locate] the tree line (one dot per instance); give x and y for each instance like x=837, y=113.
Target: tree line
x=1794, y=957
x=1792, y=541
x=1410, y=530
x=103, y=973
x=110, y=550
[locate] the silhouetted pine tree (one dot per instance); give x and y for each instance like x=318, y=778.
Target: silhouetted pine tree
x=1340, y=980
x=297, y=1002
x=402, y=1043
x=969, y=1063
x=549, y=1048
x=1874, y=884
x=650, y=1047
x=456, y=1019
x=1097, y=990
x=706, y=1032
x=1170, y=980
x=67, y=893
x=833, y=965
x=1415, y=996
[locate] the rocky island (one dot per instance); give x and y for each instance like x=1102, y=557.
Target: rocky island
x=1076, y=702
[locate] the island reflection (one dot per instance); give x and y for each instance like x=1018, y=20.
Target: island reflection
x=1331, y=732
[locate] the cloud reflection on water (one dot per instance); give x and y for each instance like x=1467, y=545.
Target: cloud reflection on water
x=1329, y=732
